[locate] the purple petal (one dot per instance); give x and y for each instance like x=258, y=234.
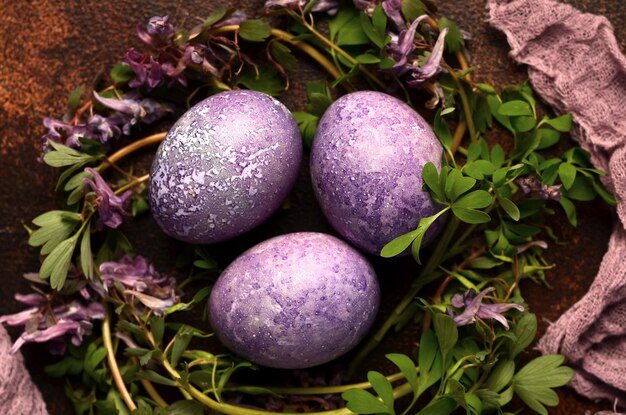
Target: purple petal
x=393, y=10
x=431, y=67
x=236, y=18
x=158, y=305
x=494, y=311
x=400, y=51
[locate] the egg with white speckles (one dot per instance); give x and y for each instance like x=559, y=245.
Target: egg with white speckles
x=366, y=167
x=295, y=301
x=224, y=167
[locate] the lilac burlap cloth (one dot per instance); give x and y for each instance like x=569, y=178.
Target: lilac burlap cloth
x=575, y=64
x=18, y=393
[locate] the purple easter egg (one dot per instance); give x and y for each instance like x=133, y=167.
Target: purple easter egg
x=225, y=166
x=366, y=166
x=295, y=301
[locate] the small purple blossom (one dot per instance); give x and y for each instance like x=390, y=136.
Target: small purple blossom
x=432, y=65
x=400, y=49
x=393, y=10
x=111, y=207
x=475, y=309
x=97, y=128
x=157, y=32
x=139, y=279
x=329, y=6
x=129, y=111
x=43, y=323
x=150, y=73
x=532, y=184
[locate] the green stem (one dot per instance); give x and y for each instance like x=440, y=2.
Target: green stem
x=466, y=108
x=326, y=390
x=431, y=265
x=339, y=50
x=115, y=369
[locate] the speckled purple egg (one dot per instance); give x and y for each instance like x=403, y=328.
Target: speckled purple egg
x=366, y=166
x=225, y=166
x=295, y=301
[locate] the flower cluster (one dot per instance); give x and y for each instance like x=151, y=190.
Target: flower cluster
x=140, y=280
x=329, y=6
x=111, y=207
x=533, y=186
x=44, y=323
x=474, y=308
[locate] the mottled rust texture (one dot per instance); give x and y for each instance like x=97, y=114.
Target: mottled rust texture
x=50, y=47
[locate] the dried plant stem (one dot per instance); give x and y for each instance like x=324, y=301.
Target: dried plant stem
x=131, y=148
x=115, y=369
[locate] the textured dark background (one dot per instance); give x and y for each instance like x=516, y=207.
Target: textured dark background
x=50, y=47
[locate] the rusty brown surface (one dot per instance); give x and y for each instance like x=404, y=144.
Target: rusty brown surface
x=50, y=47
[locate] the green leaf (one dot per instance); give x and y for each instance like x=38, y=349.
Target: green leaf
x=157, y=327
x=446, y=331
x=383, y=388
x=549, y=137
x=509, y=207
x=370, y=32
x=54, y=217
x=407, y=367
x=74, y=100
x=120, y=74
x=494, y=105
x=367, y=58
x=570, y=210
x=567, y=174
x=86, y=255
x=422, y=227
x=471, y=216
x=442, y=406
x=340, y=20
x=515, y=108
x=479, y=169
x=282, y=54
x=352, y=33
x=183, y=337
x=582, y=189
x=254, y=30
x=497, y=156
x=266, y=80
x=153, y=376
x=412, y=9
x=477, y=199
x=308, y=126
x=57, y=263
x=186, y=407
x=213, y=18
x=460, y=186
x=501, y=375
x=431, y=178
x=399, y=244
x=562, y=123
x=363, y=402
x=486, y=88
x=525, y=331
x=454, y=39
x=534, y=382
x=523, y=124
x=379, y=20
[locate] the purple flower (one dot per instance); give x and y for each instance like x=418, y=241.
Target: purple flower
x=157, y=32
x=97, y=128
x=367, y=6
x=43, y=323
x=141, y=281
x=532, y=184
x=400, y=49
x=149, y=72
x=432, y=65
x=111, y=207
x=129, y=112
x=475, y=309
x=393, y=10
x=329, y=6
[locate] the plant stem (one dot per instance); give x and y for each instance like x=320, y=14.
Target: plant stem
x=459, y=132
x=115, y=369
x=342, y=52
x=288, y=37
x=326, y=390
x=131, y=148
x=133, y=183
x=431, y=265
